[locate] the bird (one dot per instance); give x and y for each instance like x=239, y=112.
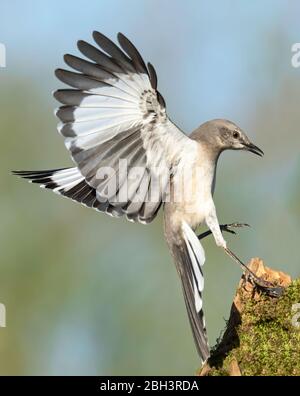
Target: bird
x=131, y=160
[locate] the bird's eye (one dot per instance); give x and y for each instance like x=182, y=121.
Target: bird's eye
x=236, y=135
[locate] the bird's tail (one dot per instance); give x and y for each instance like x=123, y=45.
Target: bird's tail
x=68, y=182
x=55, y=179
x=189, y=258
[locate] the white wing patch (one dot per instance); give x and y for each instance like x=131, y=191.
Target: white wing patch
x=197, y=255
x=66, y=179
x=114, y=112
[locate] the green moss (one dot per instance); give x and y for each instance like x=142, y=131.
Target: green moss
x=264, y=341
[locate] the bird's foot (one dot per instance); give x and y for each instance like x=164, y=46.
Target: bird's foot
x=228, y=227
x=262, y=285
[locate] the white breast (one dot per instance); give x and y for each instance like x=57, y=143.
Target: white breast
x=197, y=184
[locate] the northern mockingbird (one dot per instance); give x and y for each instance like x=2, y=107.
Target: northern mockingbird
x=113, y=114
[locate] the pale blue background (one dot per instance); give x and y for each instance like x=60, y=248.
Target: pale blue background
x=87, y=294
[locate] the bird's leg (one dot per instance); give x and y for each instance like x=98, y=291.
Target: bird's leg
x=213, y=225
x=204, y=234
x=265, y=286
x=224, y=227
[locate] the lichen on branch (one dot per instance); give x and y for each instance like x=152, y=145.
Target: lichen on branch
x=262, y=336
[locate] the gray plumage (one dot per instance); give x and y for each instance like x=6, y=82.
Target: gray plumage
x=114, y=112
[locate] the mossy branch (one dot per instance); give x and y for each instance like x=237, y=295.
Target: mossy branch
x=262, y=336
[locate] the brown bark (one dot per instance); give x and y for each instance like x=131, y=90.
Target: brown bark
x=261, y=335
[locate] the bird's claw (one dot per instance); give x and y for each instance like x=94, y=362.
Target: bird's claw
x=262, y=285
x=224, y=227
x=257, y=282
x=228, y=227
x=275, y=291
x=270, y=289
x=228, y=230
x=237, y=225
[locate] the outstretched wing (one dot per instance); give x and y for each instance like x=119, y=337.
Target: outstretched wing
x=116, y=128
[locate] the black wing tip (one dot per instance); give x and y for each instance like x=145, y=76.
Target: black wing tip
x=161, y=100
x=123, y=40
x=63, y=74
x=58, y=72
x=27, y=175
x=125, y=43
x=152, y=75
x=37, y=172
x=81, y=43
x=56, y=94
x=104, y=42
x=16, y=173
x=67, y=57
x=121, y=37
x=21, y=173
x=41, y=177
x=98, y=35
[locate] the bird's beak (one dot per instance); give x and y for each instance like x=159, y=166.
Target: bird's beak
x=254, y=149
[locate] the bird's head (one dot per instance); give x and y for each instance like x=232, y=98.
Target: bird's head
x=225, y=135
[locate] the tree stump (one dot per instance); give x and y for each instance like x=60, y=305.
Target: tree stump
x=262, y=335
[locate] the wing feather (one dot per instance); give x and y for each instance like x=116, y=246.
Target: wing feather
x=114, y=113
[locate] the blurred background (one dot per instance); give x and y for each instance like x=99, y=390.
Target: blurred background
x=88, y=294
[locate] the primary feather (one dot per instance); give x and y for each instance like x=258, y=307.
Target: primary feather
x=113, y=112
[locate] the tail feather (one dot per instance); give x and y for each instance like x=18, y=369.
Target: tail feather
x=189, y=258
x=68, y=182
